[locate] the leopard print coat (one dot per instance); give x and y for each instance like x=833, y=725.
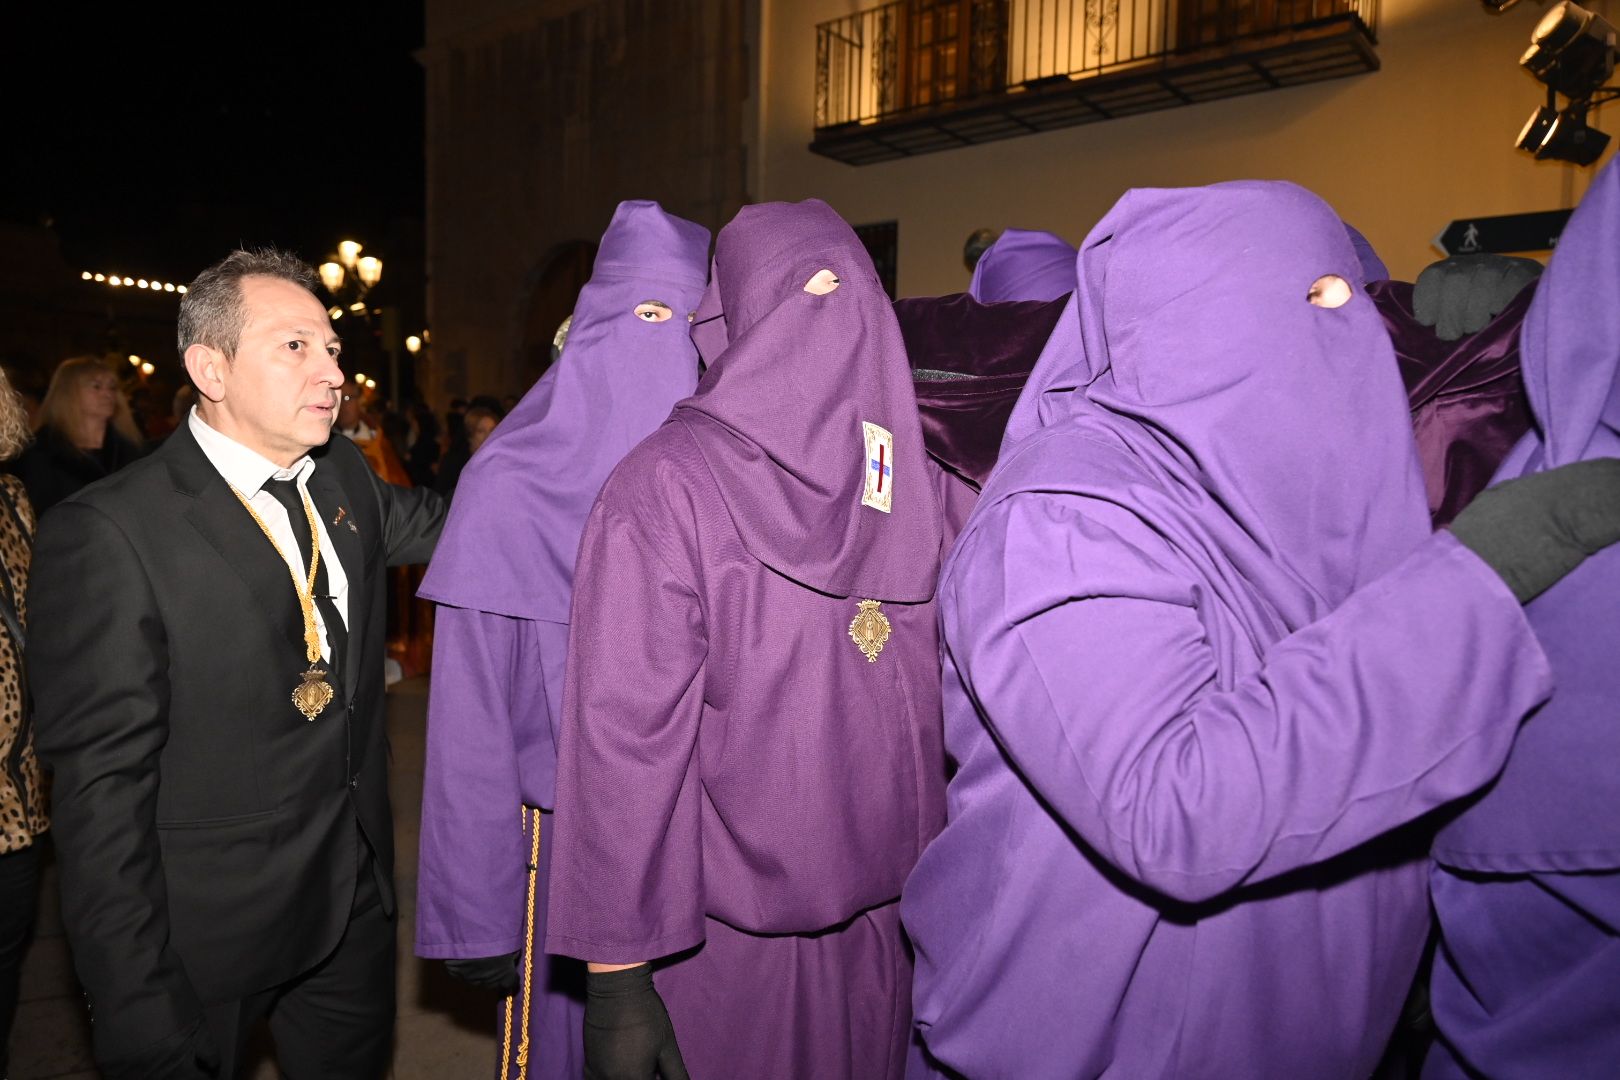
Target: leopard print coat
x=22, y=788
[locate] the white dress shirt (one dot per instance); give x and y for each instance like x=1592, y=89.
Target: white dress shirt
x=246, y=471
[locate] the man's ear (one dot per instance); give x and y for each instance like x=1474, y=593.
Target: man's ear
x=206, y=366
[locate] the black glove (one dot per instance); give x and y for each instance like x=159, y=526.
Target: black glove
x=184, y=1055
x=1536, y=529
x=1461, y=295
x=627, y=1028
x=497, y=973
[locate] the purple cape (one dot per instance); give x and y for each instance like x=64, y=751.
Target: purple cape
x=1467, y=399
x=1024, y=264
x=1202, y=654
x=969, y=361
x=778, y=435
x=1527, y=890
x=502, y=576
x=742, y=788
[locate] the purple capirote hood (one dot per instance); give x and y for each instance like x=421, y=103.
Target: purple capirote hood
x=779, y=413
x=1553, y=809
x=1024, y=264
x=513, y=532
x=1268, y=435
x=1372, y=267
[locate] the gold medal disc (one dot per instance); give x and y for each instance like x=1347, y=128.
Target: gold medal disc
x=313, y=694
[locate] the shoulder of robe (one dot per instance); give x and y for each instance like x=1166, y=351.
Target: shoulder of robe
x=662, y=488
x=1038, y=549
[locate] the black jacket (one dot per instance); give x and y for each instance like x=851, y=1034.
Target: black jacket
x=205, y=831
x=53, y=468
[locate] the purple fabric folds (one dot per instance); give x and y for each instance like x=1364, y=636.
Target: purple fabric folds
x=1024, y=264
x=1467, y=398
x=1372, y=267
x=502, y=576
x=1527, y=882
x=1202, y=656
x=969, y=361
x=744, y=781
x=1554, y=807
x=509, y=544
x=783, y=435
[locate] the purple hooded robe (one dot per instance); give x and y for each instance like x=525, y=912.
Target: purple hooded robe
x=1024, y=264
x=503, y=575
x=1527, y=883
x=1202, y=654
x=738, y=782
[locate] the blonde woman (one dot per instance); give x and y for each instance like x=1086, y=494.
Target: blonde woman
x=22, y=796
x=84, y=432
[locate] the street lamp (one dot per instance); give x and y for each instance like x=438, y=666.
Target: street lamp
x=349, y=271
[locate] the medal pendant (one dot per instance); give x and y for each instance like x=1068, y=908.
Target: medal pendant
x=313, y=694
x=870, y=630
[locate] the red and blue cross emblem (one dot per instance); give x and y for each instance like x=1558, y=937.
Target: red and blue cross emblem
x=881, y=467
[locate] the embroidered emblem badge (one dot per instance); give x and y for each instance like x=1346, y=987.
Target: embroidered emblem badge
x=870, y=629
x=879, y=491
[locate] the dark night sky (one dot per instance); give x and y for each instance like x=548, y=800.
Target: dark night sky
x=158, y=136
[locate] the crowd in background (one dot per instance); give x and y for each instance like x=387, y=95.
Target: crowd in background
x=90, y=420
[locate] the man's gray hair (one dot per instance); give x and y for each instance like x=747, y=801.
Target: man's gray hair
x=211, y=312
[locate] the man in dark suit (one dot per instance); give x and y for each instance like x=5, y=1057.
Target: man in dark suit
x=212, y=706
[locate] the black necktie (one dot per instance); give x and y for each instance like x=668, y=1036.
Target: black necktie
x=286, y=493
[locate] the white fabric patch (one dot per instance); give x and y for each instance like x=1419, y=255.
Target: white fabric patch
x=879, y=493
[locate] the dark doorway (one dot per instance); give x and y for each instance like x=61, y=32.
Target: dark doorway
x=556, y=284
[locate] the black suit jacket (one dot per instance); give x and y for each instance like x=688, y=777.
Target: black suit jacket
x=206, y=832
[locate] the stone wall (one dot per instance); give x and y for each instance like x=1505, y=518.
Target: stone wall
x=541, y=117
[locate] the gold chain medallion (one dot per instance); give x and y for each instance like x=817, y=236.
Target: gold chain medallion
x=870, y=630
x=313, y=694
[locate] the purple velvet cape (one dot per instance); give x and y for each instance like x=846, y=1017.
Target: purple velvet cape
x=1024, y=264
x=502, y=576
x=969, y=361
x=1467, y=398
x=1202, y=653
x=1527, y=890
x=737, y=783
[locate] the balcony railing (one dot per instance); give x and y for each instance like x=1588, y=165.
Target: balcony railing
x=914, y=76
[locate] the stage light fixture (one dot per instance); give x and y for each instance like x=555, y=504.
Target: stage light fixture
x=1572, y=50
x=1566, y=138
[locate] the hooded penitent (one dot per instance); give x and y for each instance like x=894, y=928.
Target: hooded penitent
x=1024, y=264
x=751, y=756
x=1202, y=652
x=1527, y=981
x=503, y=575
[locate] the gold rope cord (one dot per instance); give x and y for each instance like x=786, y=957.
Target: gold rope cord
x=528, y=966
x=305, y=591
x=528, y=949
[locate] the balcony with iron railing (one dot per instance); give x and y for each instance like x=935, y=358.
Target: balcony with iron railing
x=917, y=76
